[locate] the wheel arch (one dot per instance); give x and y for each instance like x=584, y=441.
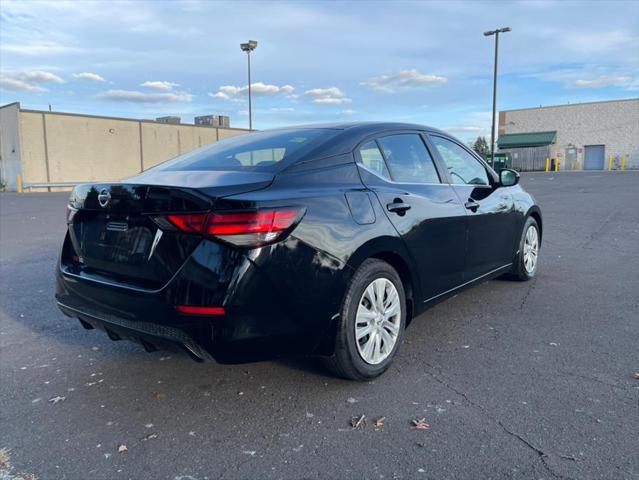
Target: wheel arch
x=392, y=251
x=535, y=213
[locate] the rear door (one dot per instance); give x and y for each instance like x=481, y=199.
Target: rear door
x=492, y=220
x=424, y=210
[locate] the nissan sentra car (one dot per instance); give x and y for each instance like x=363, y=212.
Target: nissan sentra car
x=324, y=240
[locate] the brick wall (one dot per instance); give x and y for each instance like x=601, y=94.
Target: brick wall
x=614, y=124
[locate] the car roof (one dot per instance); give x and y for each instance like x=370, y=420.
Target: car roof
x=371, y=127
x=350, y=134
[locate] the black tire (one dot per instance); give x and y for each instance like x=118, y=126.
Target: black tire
x=346, y=360
x=519, y=271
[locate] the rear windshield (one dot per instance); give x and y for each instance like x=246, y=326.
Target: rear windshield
x=260, y=151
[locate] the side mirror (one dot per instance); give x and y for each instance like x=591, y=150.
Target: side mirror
x=508, y=177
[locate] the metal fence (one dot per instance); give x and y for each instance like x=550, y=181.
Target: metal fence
x=48, y=185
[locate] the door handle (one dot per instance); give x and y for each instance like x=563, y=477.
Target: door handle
x=471, y=205
x=398, y=206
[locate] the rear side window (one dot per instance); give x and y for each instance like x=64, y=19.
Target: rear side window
x=408, y=159
x=373, y=159
x=260, y=151
x=462, y=166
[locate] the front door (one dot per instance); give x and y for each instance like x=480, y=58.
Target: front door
x=492, y=220
x=424, y=210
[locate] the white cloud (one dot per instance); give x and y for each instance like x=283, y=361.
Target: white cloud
x=92, y=77
x=595, y=40
x=332, y=101
x=348, y=112
x=591, y=77
x=403, y=80
x=233, y=93
x=260, y=88
x=38, y=49
x=158, y=85
x=324, y=92
x=28, y=80
x=282, y=109
x=607, y=81
x=16, y=85
x=327, y=96
x=38, y=76
x=472, y=125
x=466, y=129
x=142, y=97
x=219, y=96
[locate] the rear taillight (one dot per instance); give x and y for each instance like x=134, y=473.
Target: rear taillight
x=195, y=310
x=246, y=229
x=189, y=223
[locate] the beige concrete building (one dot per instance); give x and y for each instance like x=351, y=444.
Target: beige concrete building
x=580, y=136
x=40, y=147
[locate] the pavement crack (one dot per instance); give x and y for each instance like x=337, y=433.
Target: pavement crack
x=593, y=379
x=542, y=455
x=590, y=238
x=528, y=292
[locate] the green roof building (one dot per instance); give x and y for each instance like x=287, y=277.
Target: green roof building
x=579, y=136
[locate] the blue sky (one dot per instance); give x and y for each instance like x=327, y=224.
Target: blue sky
x=420, y=61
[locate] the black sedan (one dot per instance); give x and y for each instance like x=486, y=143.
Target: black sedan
x=324, y=240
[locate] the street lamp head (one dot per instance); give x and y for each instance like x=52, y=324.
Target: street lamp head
x=248, y=46
x=499, y=30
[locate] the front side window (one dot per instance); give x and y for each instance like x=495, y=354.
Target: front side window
x=462, y=166
x=372, y=158
x=408, y=159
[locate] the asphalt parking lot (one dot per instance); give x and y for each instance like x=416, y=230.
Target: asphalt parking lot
x=516, y=380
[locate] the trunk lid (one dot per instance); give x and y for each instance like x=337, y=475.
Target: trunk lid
x=117, y=232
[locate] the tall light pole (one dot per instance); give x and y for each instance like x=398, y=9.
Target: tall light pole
x=248, y=47
x=492, y=128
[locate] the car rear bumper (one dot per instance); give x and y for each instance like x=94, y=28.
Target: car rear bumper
x=264, y=316
x=150, y=335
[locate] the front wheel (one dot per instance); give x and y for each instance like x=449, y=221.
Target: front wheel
x=371, y=324
x=525, y=266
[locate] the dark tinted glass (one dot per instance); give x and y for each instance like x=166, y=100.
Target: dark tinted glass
x=408, y=159
x=261, y=151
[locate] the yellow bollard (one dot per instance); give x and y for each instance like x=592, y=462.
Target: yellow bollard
x=556, y=165
x=609, y=162
x=548, y=164
x=19, y=183
x=623, y=163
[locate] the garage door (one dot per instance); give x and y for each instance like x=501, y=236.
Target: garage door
x=595, y=157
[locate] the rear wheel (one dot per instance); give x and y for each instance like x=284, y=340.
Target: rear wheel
x=525, y=266
x=371, y=325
